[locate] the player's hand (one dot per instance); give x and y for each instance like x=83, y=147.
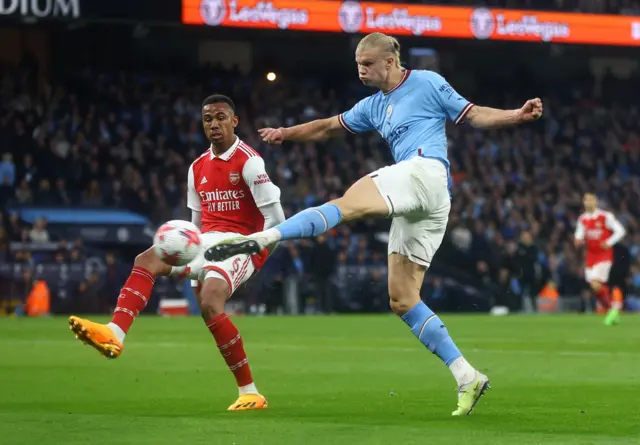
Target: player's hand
x=605, y=246
x=272, y=135
x=531, y=110
x=578, y=243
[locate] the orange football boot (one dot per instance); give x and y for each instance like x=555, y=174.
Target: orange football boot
x=97, y=335
x=249, y=401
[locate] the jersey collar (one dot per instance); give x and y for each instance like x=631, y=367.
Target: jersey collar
x=227, y=154
x=404, y=78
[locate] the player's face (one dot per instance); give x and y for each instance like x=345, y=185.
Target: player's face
x=373, y=67
x=219, y=122
x=590, y=202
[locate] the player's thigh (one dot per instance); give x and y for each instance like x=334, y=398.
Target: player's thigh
x=233, y=271
x=418, y=236
x=417, y=185
x=598, y=272
x=152, y=262
x=362, y=200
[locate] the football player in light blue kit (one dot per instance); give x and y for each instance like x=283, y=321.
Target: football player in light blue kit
x=409, y=111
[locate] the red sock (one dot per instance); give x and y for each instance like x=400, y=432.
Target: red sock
x=604, y=296
x=231, y=347
x=133, y=297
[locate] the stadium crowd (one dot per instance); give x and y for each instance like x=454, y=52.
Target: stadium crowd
x=122, y=139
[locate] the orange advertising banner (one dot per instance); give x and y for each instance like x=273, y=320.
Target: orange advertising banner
x=418, y=20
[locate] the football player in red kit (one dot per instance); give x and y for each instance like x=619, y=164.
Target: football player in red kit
x=598, y=231
x=229, y=193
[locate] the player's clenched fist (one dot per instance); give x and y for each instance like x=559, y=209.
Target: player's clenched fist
x=272, y=135
x=531, y=110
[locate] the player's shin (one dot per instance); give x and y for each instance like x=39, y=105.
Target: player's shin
x=213, y=296
x=230, y=344
x=307, y=223
x=432, y=333
x=133, y=298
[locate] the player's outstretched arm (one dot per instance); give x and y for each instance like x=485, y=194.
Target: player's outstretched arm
x=485, y=117
x=318, y=130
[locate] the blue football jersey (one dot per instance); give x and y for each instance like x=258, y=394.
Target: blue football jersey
x=411, y=117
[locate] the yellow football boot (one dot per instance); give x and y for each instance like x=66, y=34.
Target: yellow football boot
x=97, y=335
x=249, y=401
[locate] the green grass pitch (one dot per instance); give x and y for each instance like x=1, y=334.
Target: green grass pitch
x=329, y=380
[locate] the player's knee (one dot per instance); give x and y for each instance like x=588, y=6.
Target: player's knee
x=402, y=297
x=150, y=261
x=596, y=285
x=213, y=296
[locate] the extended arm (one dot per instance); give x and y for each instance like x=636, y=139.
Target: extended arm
x=318, y=130
x=485, y=117
x=355, y=120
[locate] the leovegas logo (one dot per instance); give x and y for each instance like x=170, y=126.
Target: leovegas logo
x=215, y=12
x=352, y=17
x=484, y=24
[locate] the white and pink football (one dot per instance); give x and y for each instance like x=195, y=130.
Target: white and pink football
x=177, y=242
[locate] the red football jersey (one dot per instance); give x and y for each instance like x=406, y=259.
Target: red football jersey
x=229, y=190
x=596, y=228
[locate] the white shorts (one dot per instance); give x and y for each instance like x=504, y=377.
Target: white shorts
x=417, y=195
x=598, y=272
x=235, y=270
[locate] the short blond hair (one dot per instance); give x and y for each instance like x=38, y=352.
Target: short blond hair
x=383, y=42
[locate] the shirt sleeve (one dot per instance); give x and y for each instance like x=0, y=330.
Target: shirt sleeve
x=453, y=105
x=358, y=118
x=616, y=227
x=193, y=198
x=579, y=234
x=273, y=214
x=196, y=218
x=264, y=191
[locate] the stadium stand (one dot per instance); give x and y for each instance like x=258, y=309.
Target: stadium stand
x=123, y=139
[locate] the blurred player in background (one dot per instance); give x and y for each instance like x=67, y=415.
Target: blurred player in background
x=409, y=111
x=229, y=193
x=599, y=231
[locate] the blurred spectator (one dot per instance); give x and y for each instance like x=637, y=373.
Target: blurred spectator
x=38, y=233
x=7, y=170
x=322, y=264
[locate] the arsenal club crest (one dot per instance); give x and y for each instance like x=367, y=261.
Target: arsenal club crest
x=234, y=178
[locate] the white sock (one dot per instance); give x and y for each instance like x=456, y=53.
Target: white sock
x=175, y=270
x=248, y=389
x=117, y=331
x=267, y=237
x=462, y=371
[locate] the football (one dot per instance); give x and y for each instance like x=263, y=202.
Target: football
x=177, y=242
